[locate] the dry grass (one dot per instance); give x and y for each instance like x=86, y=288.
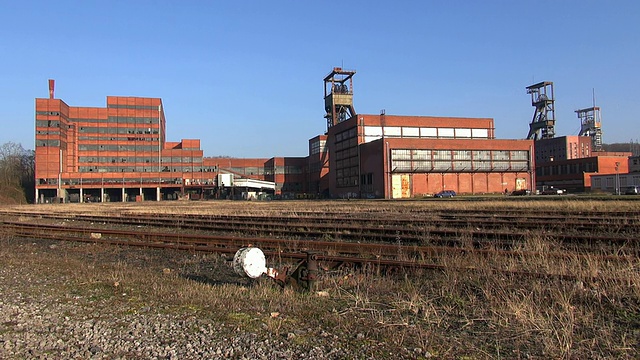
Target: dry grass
x=296, y=207
x=449, y=314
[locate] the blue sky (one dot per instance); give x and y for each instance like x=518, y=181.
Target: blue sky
x=245, y=77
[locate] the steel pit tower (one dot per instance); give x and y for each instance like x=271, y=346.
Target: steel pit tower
x=591, y=125
x=338, y=96
x=542, y=125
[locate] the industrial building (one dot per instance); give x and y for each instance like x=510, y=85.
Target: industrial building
x=569, y=162
x=391, y=156
x=624, y=176
x=120, y=153
x=574, y=175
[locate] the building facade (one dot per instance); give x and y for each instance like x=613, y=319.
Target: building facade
x=387, y=156
x=116, y=153
x=390, y=156
x=120, y=153
x=575, y=175
x=568, y=163
x=563, y=148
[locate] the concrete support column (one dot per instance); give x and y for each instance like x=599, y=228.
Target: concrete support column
x=81, y=196
x=141, y=195
x=158, y=198
x=37, y=199
x=101, y=194
x=123, y=194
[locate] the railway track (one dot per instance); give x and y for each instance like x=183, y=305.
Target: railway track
x=481, y=230
x=331, y=253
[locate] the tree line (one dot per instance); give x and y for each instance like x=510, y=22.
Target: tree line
x=17, y=174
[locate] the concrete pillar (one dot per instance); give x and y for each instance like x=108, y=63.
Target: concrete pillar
x=141, y=195
x=101, y=194
x=81, y=196
x=123, y=194
x=158, y=198
x=37, y=200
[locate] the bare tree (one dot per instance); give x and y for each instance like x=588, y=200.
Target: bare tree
x=17, y=169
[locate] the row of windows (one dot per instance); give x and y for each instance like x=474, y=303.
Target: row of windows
x=269, y=170
x=610, y=182
x=316, y=167
x=352, y=152
x=347, y=143
x=132, y=120
x=116, y=130
x=40, y=143
x=347, y=172
x=347, y=175
x=129, y=181
x=346, y=163
x=347, y=134
x=138, y=107
x=120, y=168
x=52, y=132
x=118, y=120
x=372, y=133
x=139, y=148
x=138, y=159
x=347, y=181
x=406, y=154
x=317, y=146
x=567, y=169
x=146, y=121
x=122, y=138
x=47, y=123
x=457, y=166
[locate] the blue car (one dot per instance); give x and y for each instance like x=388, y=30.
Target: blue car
x=445, y=194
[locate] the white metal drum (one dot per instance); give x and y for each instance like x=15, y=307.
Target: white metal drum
x=249, y=262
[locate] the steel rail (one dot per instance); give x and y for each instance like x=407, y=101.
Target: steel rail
x=228, y=245
x=489, y=218
x=213, y=242
x=340, y=231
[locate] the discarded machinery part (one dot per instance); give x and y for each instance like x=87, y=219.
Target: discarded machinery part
x=311, y=273
x=302, y=276
x=250, y=262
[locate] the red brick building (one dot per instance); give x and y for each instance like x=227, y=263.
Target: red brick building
x=116, y=153
x=120, y=153
x=375, y=156
x=568, y=162
x=574, y=175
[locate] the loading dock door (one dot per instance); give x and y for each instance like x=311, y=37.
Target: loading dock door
x=521, y=184
x=400, y=186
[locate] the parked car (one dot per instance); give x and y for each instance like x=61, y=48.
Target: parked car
x=632, y=190
x=445, y=194
x=521, y=192
x=552, y=191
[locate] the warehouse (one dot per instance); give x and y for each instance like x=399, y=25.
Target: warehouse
x=390, y=156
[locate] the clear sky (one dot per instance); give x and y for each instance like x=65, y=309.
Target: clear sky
x=245, y=77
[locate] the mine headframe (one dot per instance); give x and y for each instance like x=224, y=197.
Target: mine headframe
x=542, y=125
x=338, y=96
x=591, y=125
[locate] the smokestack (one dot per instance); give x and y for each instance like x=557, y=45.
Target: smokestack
x=52, y=85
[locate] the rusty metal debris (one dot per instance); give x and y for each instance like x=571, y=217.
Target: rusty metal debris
x=251, y=262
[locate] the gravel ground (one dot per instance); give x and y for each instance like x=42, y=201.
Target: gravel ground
x=41, y=319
